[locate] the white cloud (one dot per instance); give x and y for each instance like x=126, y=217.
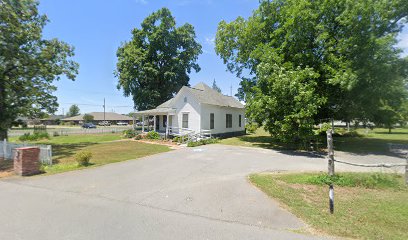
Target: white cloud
x=210, y=41
x=144, y=2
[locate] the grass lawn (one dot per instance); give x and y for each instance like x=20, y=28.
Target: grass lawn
x=367, y=205
x=103, y=147
x=375, y=141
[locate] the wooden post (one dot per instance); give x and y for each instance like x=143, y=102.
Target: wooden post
x=332, y=123
x=154, y=123
x=143, y=122
x=4, y=148
x=406, y=171
x=330, y=152
x=167, y=126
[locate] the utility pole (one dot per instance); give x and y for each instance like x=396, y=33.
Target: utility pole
x=231, y=90
x=104, y=110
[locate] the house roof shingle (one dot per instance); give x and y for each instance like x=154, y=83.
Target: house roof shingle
x=98, y=116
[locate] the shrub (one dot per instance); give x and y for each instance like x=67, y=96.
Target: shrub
x=251, y=127
x=203, y=142
x=323, y=129
x=129, y=133
x=153, y=135
x=139, y=137
x=34, y=137
x=83, y=158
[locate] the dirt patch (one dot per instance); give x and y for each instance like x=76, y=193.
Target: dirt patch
x=172, y=145
x=6, y=168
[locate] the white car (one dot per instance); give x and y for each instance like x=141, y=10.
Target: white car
x=122, y=123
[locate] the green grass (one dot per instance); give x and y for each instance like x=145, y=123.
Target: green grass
x=104, y=148
x=375, y=141
x=376, y=207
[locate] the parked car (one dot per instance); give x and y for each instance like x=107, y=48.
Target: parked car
x=89, y=125
x=104, y=123
x=139, y=124
x=122, y=123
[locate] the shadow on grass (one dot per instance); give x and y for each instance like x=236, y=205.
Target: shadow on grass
x=63, y=151
x=355, y=145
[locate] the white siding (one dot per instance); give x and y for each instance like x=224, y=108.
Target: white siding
x=192, y=107
x=220, y=115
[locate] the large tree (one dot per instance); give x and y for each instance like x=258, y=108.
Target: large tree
x=28, y=63
x=349, y=45
x=73, y=111
x=156, y=62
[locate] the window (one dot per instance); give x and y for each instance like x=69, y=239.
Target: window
x=185, y=120
x=211, y=120
x=229, y=121
x=239, y=121
x=185, y=99
x=170, y=120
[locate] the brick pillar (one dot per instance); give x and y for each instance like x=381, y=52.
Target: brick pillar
x=27, y=161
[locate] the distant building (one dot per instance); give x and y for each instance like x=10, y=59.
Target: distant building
x=113, y=118
x=52, y=120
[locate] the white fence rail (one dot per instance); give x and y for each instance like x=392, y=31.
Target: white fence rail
x=7, y=151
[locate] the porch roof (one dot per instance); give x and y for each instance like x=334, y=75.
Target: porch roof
x=157, y=111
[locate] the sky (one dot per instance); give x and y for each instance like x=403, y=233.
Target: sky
x=97, y=28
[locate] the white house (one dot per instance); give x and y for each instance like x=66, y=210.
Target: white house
x=198, y=109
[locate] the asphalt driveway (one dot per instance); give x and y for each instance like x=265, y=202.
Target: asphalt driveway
x=191, y=193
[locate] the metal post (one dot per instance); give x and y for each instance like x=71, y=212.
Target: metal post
x=331, y=198
x=330, y=152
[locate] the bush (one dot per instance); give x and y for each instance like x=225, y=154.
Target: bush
x=83, y=158
x=203, y=142
x=323, y=129
x=34, y=137
x=153, y=135
x=130, y=133
x=251, y=127
x=139, y=137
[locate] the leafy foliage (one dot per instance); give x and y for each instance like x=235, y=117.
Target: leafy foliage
x=83, y=158
x=215, y=87
x=152, y=135
x=34, y=137
x=129, y=133
x=155, y=64
x=28, y=63
x=88, y=118
x=285, y=102
x=73, y=111
x=344, y=50
x=203, y=142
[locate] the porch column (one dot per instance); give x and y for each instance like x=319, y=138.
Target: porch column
x=167, y=125
x=143, y=122
x=154, y=123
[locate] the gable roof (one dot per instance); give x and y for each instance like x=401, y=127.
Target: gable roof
x=207, y=95
x=98, y=116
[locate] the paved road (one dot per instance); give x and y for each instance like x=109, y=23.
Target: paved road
x=192, y=193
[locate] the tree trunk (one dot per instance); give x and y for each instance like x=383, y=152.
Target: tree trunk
x=3, y=116
x=389, y=130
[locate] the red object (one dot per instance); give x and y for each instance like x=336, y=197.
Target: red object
x=27, y=161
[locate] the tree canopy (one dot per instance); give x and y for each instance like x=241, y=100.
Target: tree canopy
x=157, y=61
x=29, y=64
x=347, y=48
x=215, y=87
x=73, y=111
x=88, y=118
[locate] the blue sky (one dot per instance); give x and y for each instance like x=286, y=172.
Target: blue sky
x=96, y=29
